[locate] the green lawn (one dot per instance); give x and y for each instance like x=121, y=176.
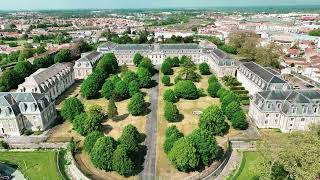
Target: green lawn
x=247, y=167
x=38, y=165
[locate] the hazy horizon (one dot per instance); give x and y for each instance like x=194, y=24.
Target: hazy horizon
x=145, y=4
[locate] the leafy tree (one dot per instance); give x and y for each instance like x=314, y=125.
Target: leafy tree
x=129, y=76
x=64, y=55
x=79, y=123
x=183, y=155
x=213, y=89
x=91, y=139
x=166, y=69
x=137, y=105
x=239, y=121
x=133, y=88
x=144, y=77
x=41, y=49
x=93, y=123
x=121, y=161
x=186, y=89
x=146, y=63
x=188, y=70
x=130, y=138
x=9, y=79
x=222, y=92
x=213, y=121
x=171, y=112
x=170, y=96
x=232, y=108
x=172, y=135
x=102, y=153
x=25, y=54
x=71, y=107
x=121, y=91
x=137, y=59
x=92, y=85
x=23, y=68
x=124, y=69
x=166, y=80
x=229, y=98
x=315, y=32
x=95, y=108
x=293, y=155
x=112, y=108
x=205, y=144
x=108, y=64
x=107, y=89
x=43, y=62
x=204, y=69
x=175, y=62
x=269, y=55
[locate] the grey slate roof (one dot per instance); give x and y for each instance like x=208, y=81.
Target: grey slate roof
x=128, y=47
x=90, y=56
x=179, y=46
x=44, y=74
x=263, y=73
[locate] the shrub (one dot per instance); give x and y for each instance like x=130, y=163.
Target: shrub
x=112, y=109
x=213, y=121
x=137, y=59
x=239, y=121
x=213, y=89
x=212, y=79
x=204, y=69
x=183, y=155
x=170, y=96
x=166, y=69
x=231, y=109
x=175, y=62
x=144, y=77
x=137, y=105
x=130, y=138
x=171, y=112
x=245, y=102
x=91, y=139
x=201, y=92
x=71, y=107
x=166, y=80
x=186, y=89
x=4, y=145
x=221, y=93
x=229, y=98
x=172, y=130
x=169, y=142
x=129, y=76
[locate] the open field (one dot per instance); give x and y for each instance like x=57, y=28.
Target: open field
x=37, y=165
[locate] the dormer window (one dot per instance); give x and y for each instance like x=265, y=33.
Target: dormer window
x=269, y=105
x=304, y=109
x=294, y=110
x=315, y=110
x=279, y=105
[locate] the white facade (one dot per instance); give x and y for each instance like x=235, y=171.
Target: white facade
x=52, y=81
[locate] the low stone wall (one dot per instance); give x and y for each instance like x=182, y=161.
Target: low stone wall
x=73, y=170
x=39, y=146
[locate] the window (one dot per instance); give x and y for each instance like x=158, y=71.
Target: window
x=294, y=109
x=302, y=119
x=266, y=122
x=277, y=115
x=291, y=125
x=292, y=119
x=267, y=115
x=304, y=109
x=315, y=110
x=279, y=105
x=269, y=105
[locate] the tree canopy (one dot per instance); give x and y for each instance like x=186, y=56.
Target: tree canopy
x=71, y=107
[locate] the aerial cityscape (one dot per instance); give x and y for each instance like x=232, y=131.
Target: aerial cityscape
x=161, y=90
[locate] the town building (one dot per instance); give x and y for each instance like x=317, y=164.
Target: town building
x=287, y=110
x=24, y=111
x=255, y=78
x=220, y=62
x=53, y=80
x=85, y=65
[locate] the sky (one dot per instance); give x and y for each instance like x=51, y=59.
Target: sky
x=127, y=4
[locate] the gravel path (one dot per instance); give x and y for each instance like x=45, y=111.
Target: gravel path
x=149, y=171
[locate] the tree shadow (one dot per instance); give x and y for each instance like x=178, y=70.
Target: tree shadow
x=7, y=168
x=138, y=158
x=120, y=117
x=106, y=128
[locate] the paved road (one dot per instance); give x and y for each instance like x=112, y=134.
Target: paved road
x=16, y=174
x=149, y=171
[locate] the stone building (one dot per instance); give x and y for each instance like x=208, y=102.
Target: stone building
x=255, y=78
x=22, y=111
x=53, y=80
x=85, y=65
x=287, y=110
x=220, y=63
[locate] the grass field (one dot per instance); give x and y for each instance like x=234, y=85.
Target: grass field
x=38, y=165
x=247, y=167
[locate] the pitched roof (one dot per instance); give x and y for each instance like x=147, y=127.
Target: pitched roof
x=263, y=73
